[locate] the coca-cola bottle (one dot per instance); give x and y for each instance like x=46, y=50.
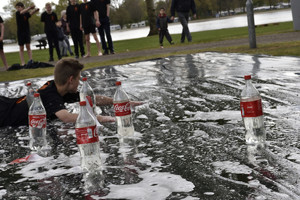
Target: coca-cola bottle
x=123, y=112
x=30, y=93
x=86, y=93
x=37, y=125
x=87, y=140
x=252, y=113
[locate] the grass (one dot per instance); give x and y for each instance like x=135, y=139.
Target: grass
x=276, y=49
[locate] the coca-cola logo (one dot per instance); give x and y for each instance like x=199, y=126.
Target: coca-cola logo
x=37, y=121
x=122, y=109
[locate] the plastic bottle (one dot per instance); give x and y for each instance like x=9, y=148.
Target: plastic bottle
x=87, y=140
x=37, y=125
x=123, y=112
x=252, y=113
x=87, y=93
x=30, y=94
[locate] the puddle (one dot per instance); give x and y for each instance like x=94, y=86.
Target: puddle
x=189, y=140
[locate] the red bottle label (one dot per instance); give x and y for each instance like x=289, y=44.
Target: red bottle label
x=37, y=121
x=122, y=109
x=251, y=108
x=86, y=135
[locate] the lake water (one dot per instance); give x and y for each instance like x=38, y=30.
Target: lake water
x=195, y=26
x=189, y=138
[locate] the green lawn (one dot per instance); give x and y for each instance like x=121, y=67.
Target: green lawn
x=288, y=48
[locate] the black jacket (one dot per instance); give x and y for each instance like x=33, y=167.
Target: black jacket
x=183, y=6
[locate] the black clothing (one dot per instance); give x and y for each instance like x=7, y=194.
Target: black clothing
x=64, y=26
x=14, y=111
x=73, y=16
x=162, y=22
x=1, y=21
x=104, y=29
x=183, y=6
x=87, y=15
x=101, y=7
x=23, y=30
x=52, y=100
x=51, y=32
x=49, y=20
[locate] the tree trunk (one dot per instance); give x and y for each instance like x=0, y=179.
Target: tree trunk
x=151, y=17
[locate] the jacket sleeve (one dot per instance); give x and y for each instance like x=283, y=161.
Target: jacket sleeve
x=157, y=23
x=193, y=7
x=173, y=7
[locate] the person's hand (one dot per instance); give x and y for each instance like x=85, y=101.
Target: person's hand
x=136, y=103
x=1, y=39
x=37, y=9
x=32, y=6
x=172, y=18
x=98, y=23
x=158, y=29
x=195, y=16
x=81, y=28
x=105, y=119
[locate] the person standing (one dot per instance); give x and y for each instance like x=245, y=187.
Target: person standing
x=87, y=24
x=103, y=24
x=50, y=19
x=66, y=32
x=2, y=55
x=73, y=24
x=183, y=7
x=23, y=29
x=162, y=26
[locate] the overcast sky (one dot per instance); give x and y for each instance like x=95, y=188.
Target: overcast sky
x=39, y=3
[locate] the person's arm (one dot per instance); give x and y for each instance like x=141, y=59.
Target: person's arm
x=67, y=117
x=107, y=10
x=157, y=23
x=173, y=10
x=169, y=20
x=34, y=11
x=194, y=9
x=2, y=32
x=96, y=16
x=25, y=10
x=103, y=100
x=81, y=22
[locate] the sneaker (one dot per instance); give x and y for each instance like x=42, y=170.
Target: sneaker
x=100, y=53
x=30, y=62
x=76, y=57
x=51, y=60
x=105, y=53
x=161, y=47
x=86, y=56
x=72, y=54
x=112, y=52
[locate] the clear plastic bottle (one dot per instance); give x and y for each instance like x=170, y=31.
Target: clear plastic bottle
x=37, y=125
x=252, y=113
x=123, y=112
x=30, y=94
x=87, y=140
x=86, y=93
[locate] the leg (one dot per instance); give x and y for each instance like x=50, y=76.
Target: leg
x=2, y=55
x=161, y=38
x=183, y=18
x=50, y=43
x=21, y=53
x=68, y=45
x=102, y=37
x=29, y=52
x=80, y=41
x=88, y=45
x=75, y=41
x=168, y=36
x=108, y=36
x=55, y=41
x=98, y=44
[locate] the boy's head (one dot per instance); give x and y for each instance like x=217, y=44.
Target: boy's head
x=162, y=10
x=48, y=7
x=67, y=73
x=72, y=2
x=63, y=14
x=19, y=6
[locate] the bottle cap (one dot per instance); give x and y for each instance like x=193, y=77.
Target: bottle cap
x=118, y=83
x=28, y=84
x=36, y=94
x=247, y=77
x=84, y=79
x=82, y=103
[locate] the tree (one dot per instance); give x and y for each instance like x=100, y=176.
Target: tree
x=120, y=16
x=62, y=5
x=151, y=17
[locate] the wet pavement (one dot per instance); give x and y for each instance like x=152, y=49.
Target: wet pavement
x=189, y=136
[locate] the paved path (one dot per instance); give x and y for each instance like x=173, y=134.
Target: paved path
x=282, y=37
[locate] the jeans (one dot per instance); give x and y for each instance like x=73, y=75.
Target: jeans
x=184, y=18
